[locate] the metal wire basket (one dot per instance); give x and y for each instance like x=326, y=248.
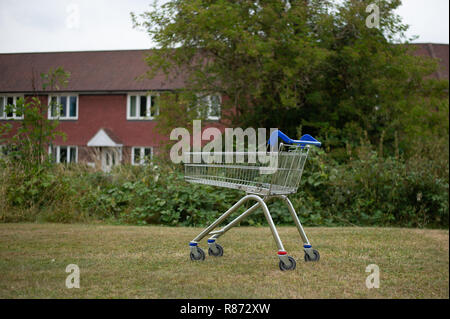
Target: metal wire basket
x=255, y=178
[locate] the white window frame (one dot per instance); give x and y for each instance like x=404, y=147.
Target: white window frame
x=3, y=114
x=209, y=105
x=58, y=152
x=141, y=154
x=67, y=117
x=149, y=115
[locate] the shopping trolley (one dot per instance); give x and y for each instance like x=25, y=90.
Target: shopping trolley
x=275, y=177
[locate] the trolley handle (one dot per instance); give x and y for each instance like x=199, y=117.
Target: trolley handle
x=305, y=139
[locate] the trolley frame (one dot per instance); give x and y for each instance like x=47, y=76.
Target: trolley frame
x=260, y=192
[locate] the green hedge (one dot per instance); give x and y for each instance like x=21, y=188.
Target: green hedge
x=367, y=190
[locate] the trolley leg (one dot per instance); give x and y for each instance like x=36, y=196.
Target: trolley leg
x=282, y=255
x=296, y=219
x=235, y=221
x=281, y=252
x=218, y=233
x=260, y=203
x=306, y=245
x=233, y=208
x=272, y=227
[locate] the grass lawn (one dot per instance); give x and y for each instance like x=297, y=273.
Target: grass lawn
x=153, y=262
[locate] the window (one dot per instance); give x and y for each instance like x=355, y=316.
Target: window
x=63, y=107
x=64, y=154
x=6, y=103
x=141, y=155
x=5, y=149
x=141, y=106
x=110, y=159
x=214, y=104
x=211, y=105
x=9, y=150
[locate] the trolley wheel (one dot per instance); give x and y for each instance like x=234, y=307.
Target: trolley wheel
x=316, y=256
x=283, y=266
x=218, y=254
x=201, y=257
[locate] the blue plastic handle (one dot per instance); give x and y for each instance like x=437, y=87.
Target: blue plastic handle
x=305, y=139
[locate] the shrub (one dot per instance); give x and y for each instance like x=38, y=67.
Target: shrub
x=368, y=190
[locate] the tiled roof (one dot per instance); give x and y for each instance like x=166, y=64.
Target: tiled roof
x=434, y=50
x=96, y=71
x=113, y=71
x=112, y=135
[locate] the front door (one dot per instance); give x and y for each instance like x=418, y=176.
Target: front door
x=109, y=158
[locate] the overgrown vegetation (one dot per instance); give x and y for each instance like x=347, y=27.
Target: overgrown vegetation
x=311, y=68
x=368, y=190
x=27, y=143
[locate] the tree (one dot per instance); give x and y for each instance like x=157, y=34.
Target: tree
x=36, y=131
x=309, y=65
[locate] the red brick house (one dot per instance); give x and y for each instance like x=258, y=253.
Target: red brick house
x=435, y=51
x=106, y=110
x=107, y=113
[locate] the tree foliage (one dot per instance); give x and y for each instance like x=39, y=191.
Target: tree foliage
x=311, y=66
x=27, y=144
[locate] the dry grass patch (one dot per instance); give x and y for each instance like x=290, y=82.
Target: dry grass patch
x=153, y=262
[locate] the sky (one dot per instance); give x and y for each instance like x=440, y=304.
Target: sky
x=78, y=25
